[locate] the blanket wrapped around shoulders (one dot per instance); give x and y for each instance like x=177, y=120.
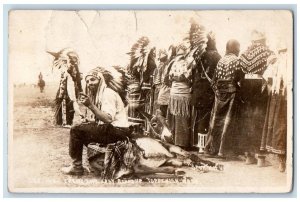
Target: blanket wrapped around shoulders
x=254, y=59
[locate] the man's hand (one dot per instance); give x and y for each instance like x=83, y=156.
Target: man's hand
x=85, y=100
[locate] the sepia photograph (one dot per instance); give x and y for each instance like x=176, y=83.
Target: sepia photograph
x=150, y=101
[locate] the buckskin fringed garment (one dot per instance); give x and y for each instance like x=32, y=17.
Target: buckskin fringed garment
x=252, y=110
x=228, y=73
x=180, y=101
x=274, y=136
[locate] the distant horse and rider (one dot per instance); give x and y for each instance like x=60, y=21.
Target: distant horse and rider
x=41, y=83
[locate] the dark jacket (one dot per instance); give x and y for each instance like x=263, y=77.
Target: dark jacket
x=202, y=93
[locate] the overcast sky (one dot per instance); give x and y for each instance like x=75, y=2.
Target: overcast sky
x=102, y=38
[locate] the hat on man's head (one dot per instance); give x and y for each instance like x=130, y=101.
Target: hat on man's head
x=257, y=35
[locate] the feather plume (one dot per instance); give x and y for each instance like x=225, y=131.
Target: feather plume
x=198, y=39
x=68, y=60
x=140, y=55
x=116, y=79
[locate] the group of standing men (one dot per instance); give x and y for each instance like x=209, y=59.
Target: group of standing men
x=239, y=101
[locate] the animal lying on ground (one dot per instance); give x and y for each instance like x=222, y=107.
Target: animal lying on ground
x=141, y=155
x=144, y=156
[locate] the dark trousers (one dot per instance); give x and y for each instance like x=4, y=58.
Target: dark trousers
x=200, y=121
x=222, y=116
x=69, y=113
x=252, y=115
x=85, y=133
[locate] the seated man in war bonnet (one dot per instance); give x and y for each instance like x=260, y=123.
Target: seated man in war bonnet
x=106, y=113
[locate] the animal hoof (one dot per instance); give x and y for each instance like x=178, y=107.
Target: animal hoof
x=179, y=172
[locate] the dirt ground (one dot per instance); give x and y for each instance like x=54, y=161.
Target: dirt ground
x=39, y=150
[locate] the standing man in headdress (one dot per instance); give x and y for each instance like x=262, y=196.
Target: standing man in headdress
x=202, y=93
x=254, y=61
x=164, y=92
x=141, y=68
x=225, y=84
x=67, y=60
x=180, y=97
x=106, y=115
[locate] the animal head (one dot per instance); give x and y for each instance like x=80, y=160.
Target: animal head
x=159, y=126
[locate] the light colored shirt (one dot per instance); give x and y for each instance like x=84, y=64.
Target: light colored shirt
x=113, y=105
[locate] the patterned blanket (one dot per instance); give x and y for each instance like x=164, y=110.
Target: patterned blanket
x=119, y=158
x=254, y=59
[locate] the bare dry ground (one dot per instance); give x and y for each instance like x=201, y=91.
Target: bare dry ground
x=40, y=149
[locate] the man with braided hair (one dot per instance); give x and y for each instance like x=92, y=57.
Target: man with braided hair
x=202, y=93
x=225, y=85
x=106, y=115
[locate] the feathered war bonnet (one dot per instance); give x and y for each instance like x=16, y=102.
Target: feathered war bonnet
x=142, y=59
x=198, y=39
x=113, y=78
x=67, y=59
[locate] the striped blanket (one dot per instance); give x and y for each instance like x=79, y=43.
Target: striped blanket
x=254, y=59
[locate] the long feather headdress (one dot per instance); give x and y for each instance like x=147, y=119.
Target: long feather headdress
x=64, y=58
x=139, y=55
x=197, y=38
x=115, y=78
x=68, y=60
